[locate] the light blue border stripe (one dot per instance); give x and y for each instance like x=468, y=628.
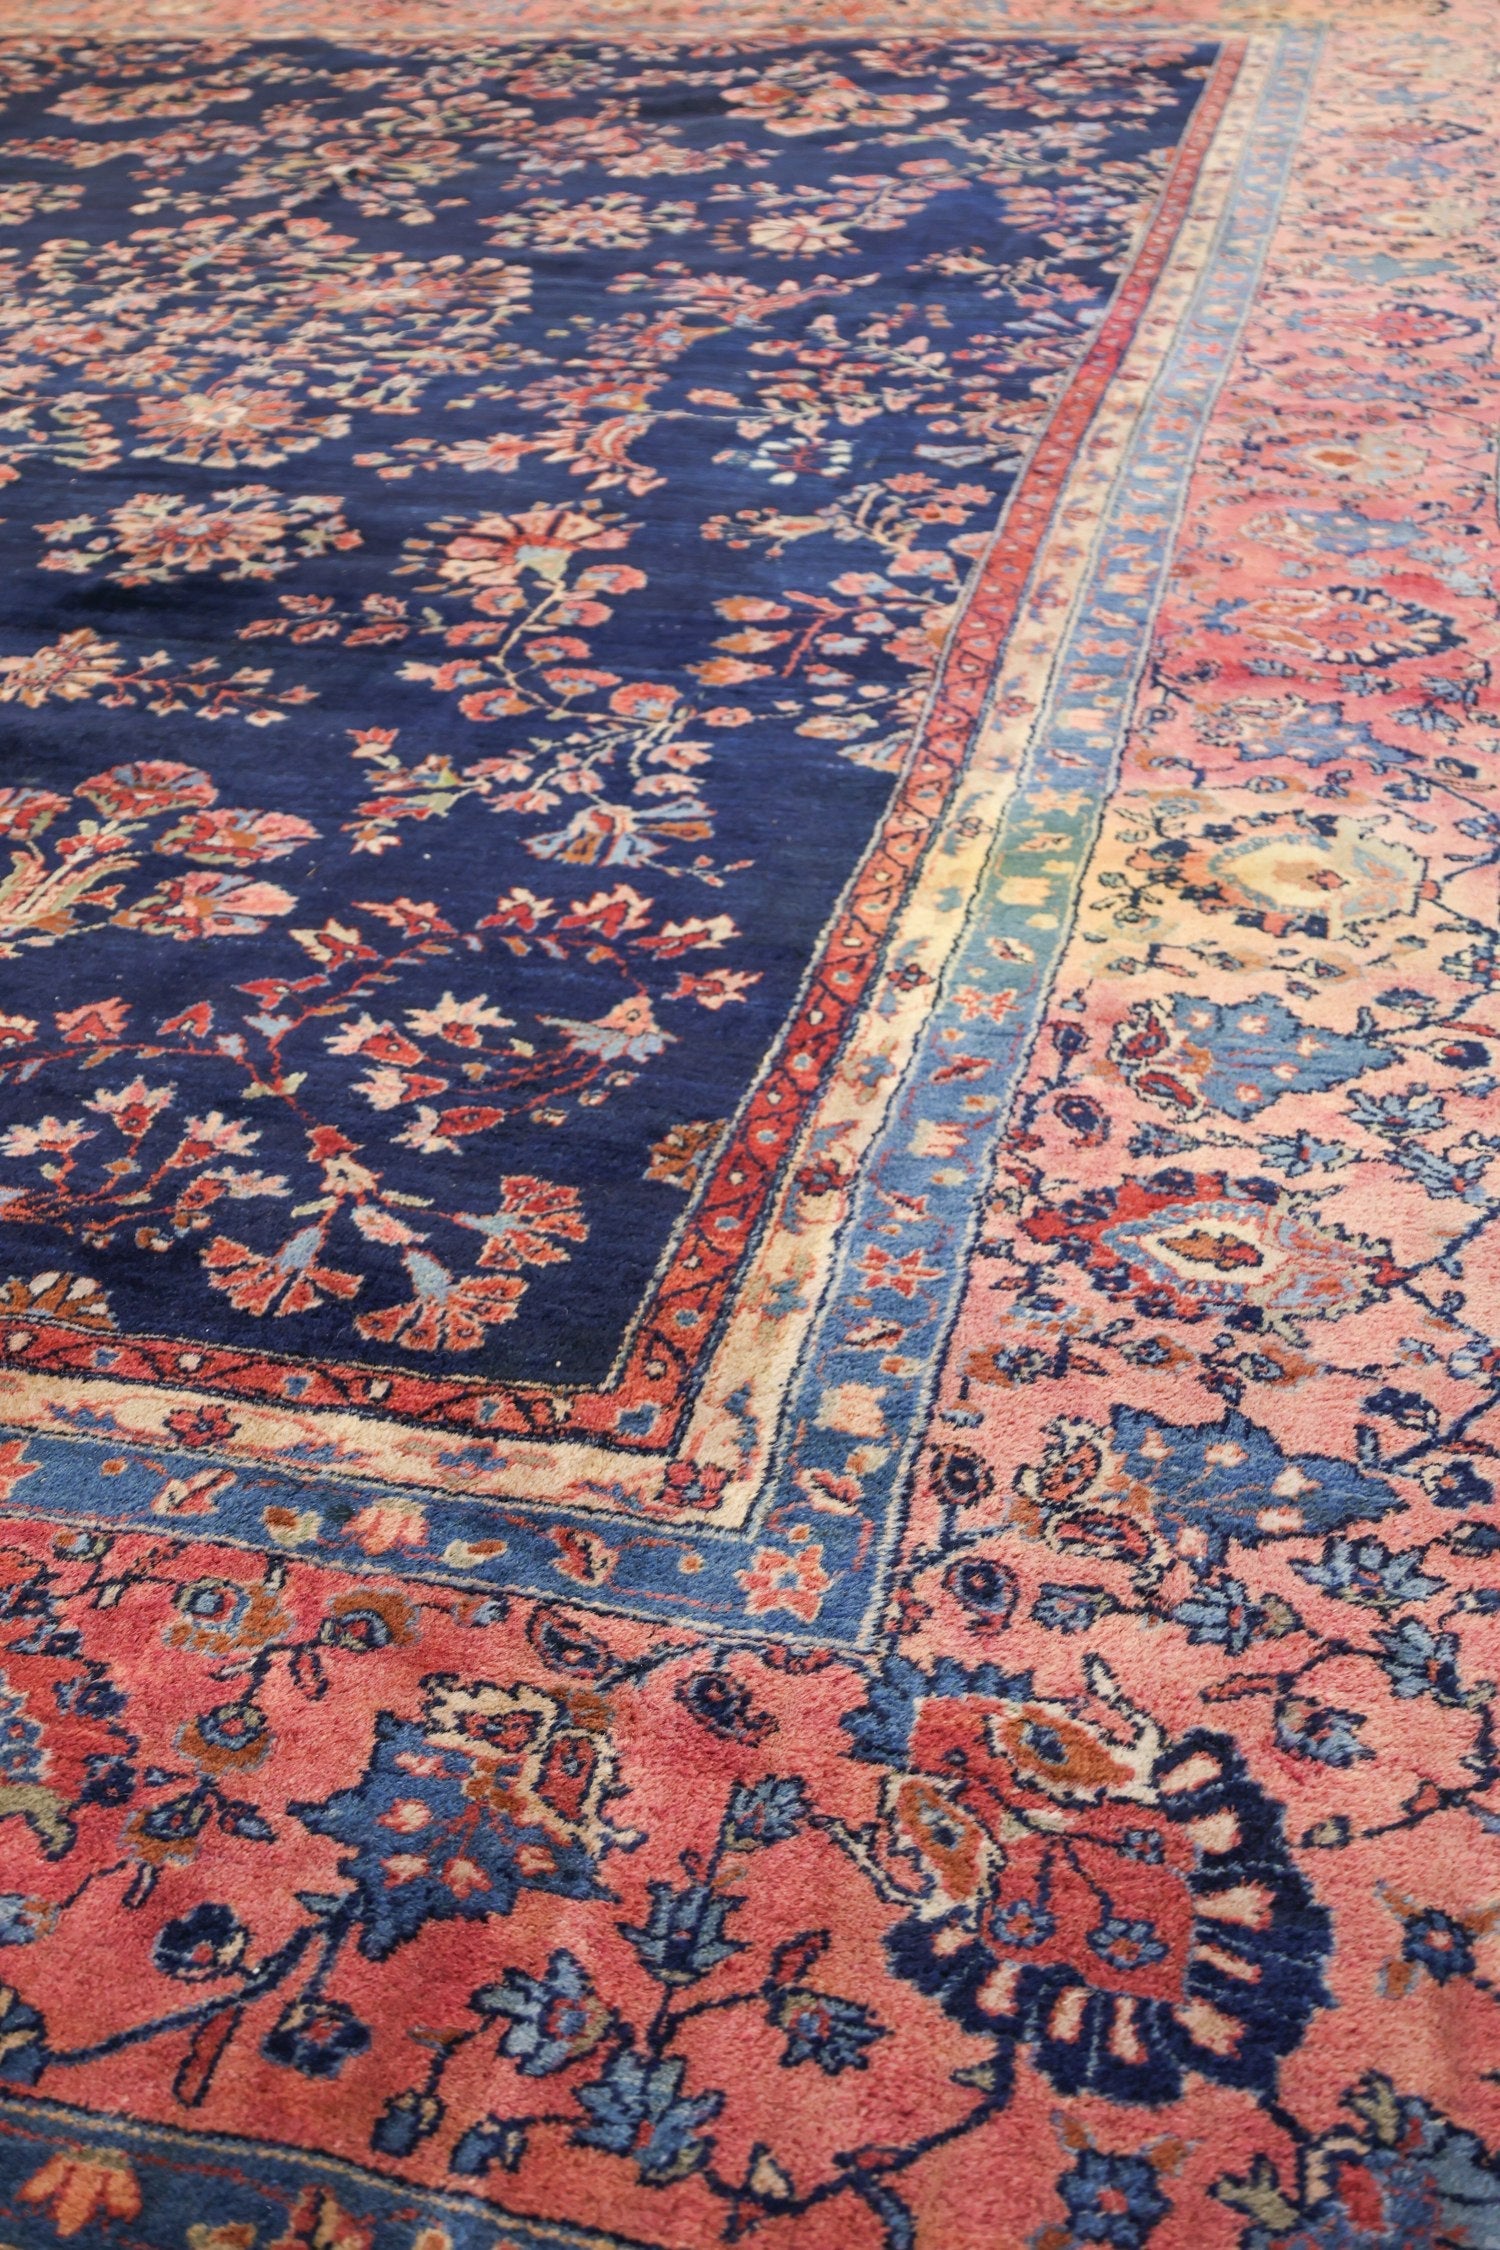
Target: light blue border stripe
x=1066, y=754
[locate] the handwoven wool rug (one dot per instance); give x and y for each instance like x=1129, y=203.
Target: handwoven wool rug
x=749, y=1125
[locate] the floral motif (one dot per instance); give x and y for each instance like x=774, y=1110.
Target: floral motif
x=494, y=1791
x=1085, y=1885
x=42, y=902
x=1148, y=1490
x=1110, y=2199
x=1402, y=2172
x=584, y=584
x=247, y=532
x=491, y=1819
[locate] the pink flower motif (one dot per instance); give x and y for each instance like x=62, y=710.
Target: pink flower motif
x=54, y=1136
x=444, y=1314
x=95, y=1023
x=133, y=1108
x=388, y=1524
x=68, y=670
x=194, y=906
x=150, y=785
x=793, y=1581
x=233, y=837
x=213, y=1135
x=534, y=1219
x=78, y=2186
x=643, y=699
x=715, y=990
x=462, y=1023
x=292, y=1280
x=26, y=812
x=629, y=1032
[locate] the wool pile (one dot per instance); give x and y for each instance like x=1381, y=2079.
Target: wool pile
x=749, y=1125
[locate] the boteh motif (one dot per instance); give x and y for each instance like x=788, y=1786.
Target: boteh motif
x=747, y=1155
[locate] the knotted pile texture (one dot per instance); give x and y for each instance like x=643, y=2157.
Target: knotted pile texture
x=749, y=1125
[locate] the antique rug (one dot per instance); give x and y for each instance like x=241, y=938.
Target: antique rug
x=749, y=1125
